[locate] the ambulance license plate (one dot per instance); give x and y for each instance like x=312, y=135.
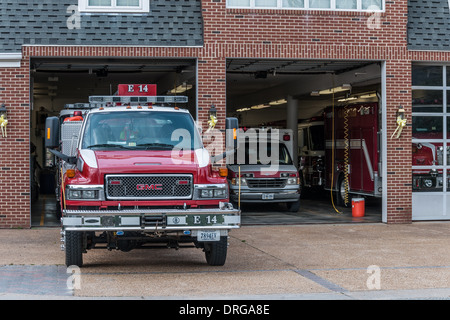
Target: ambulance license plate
x=208, y=235
x=267, y=196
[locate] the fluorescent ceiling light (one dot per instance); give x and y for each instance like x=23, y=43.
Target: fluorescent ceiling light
x=181, y=88
x=260, y=106
x=368, y=95
x=243, y=109
x=277, y=102
x=348, y=99
x=341, y=88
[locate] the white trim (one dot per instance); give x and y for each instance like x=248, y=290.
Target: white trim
x=384, y=183
x=202, y=157
x=89, y=157
x=10, y=60
x=144, y=7
x=107, y=46
x=306, y=6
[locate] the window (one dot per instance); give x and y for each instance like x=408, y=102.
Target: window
x=430, y=142
x=130, y=6
x=355, y=5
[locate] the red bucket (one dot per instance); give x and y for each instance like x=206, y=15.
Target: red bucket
x=358, y=207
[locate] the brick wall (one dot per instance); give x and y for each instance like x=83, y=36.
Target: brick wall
x=15, y=148
x=241, y=33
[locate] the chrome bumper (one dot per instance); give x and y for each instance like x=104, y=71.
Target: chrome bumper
x=151, y=220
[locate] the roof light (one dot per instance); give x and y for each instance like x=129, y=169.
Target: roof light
x=138, y=99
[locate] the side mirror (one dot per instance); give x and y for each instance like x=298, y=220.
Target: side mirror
x=52, y=139
x=231, y=138
x=52, y=132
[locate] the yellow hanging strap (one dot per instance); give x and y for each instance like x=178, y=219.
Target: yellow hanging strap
x=346, y=155
x=63, y=190
x=239, y=192
x=332, y=151
x=401, y=123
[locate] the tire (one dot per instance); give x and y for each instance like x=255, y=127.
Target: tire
x=74, y=248
x=293, y=206
x=340, y=193
x=216, y=252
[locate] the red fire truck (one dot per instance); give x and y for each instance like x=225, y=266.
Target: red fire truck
x=135, y=174
x=353, y=155
x=353, y=163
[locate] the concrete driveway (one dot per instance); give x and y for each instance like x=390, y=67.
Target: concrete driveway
x=342, y=261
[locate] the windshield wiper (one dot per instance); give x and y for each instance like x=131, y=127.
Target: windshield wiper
x=107, y=145
x=156, y=145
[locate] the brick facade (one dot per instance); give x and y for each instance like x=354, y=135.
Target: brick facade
x=240, y=33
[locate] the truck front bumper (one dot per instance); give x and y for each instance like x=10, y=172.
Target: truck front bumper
x=151, y=220
x=265, y=196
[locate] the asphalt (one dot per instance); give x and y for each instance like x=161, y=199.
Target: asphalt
x=352, y=261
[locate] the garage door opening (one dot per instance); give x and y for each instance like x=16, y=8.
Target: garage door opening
x=301, y=95
x=57, y=82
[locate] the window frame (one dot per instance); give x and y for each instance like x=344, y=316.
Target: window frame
x=306, y=6
x=144, y=7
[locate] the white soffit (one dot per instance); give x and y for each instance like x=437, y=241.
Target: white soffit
x=10, y=60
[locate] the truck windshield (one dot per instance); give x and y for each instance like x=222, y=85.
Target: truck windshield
x=140, y=130
x=317, y=136
x=251, y=154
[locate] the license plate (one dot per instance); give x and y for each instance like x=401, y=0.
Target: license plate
x=267, y=196
x=208, y=235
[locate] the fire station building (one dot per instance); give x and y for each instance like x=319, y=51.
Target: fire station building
x=267, y=62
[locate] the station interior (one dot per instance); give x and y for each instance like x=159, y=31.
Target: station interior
x=257, y=91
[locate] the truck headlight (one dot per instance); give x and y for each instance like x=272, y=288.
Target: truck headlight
x=84, y=192
x=213, y=191
x=235, y=181
x=293, y=181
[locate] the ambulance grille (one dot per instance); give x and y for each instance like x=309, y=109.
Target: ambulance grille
x=266, y=183
x=149, y=187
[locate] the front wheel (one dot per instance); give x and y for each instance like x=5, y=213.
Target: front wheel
x=74, y=248
x=216, y=252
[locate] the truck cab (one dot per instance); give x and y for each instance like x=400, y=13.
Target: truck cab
x=262, y=170
x=136, y=174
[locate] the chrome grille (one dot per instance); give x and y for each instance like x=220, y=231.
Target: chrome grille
x=149, y=187
x=266, y=183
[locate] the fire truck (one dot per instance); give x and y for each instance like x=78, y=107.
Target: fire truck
x=262, y=170
x=352, y=154
x=357, y=142
x=135, y=174
x=311, y=152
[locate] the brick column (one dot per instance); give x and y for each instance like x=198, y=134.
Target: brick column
x=398, y=175
x=212, y=91
x=15, y=148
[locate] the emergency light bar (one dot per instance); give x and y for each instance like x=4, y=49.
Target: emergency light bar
x=78, y=106
x=138, y=99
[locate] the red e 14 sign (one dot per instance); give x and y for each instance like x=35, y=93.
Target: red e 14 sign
x=137, y=89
